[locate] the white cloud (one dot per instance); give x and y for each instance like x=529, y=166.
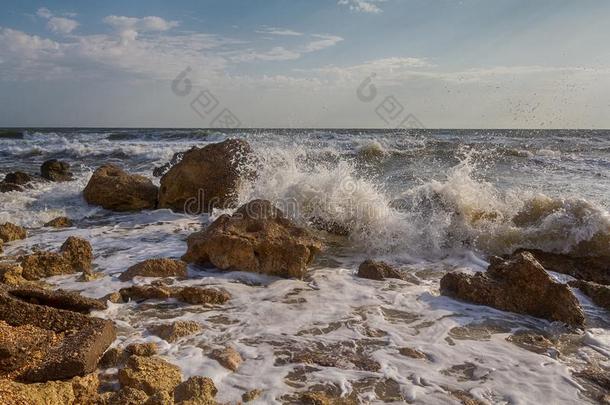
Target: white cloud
x=322, y=42
x=44, y=12
x=144, y=24
x=278, y=31
x=59, y=25
x=362, y=6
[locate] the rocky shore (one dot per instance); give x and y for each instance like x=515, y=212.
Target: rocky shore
x=58, y=347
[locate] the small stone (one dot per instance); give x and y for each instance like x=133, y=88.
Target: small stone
x=228, y=357
x=251, y=395
x=150, y=374
x=10, y=232
x=111, y=358
x=162, y=267
x=375, y=270
x=197, y=391
x=174, y=331
x=59, y=222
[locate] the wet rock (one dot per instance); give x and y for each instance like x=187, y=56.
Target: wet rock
x=375, y=270
x=19, y=178
x=196, y=391
x=597, y=382
x=162, y=267
x=145, y=292
x=531, y=341
x=126, y=396
x=142, y=349
x=413, y=353
x=8, y=187
x=256, y=238
x=73, y=342
x=194, y=295
x=11, y=274
x=206, y=178
x=56, y=170
x=10, y=232
x=599, y=294
x=251, y=395
x=228, y=357
x=175, y=330
x=112, y=357
x=588, y=268
x=114, y=189
x=59, y=222
x=59, y=299
x=75, y=255
x=519, y=285
x=161, y=170
x=78, y=391
x=149, y=374
x=160, y=398
x=117, y=356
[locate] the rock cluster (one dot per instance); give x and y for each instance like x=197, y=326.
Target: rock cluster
x=256, y=238
x=519, y=285
x=206, y=178
x=114, y=189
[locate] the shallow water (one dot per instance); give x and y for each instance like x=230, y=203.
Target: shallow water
x=429, y=201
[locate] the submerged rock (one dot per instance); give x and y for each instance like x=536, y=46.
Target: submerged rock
x=56, y=170
x=59, y=222
x=228, y=357
x=588, y=268
x=256, y=238
x=150, y=374
x=75, y=255
x=599, y=294
x=114, y=189
x=10, y=232
x=205, y=178
x=375, y=270
x=519, y=285
x=175, y=330
x=162, y=267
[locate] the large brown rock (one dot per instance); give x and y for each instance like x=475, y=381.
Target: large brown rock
x=56, y=170
x=589, y=268
x=150, y=374
x=599, y=294
x=256, y=238
x=162, y=267
x=206, y=178
x=114, y=189
x=10, y=232
x=75, y=255
x=377, y=270
x=58, y=343
x=519, y=285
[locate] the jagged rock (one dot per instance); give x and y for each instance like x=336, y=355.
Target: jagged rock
x=375, y=270
x=10, y=232
x=19, y=178
x=77, y=391
x=599, y=294
x=114, y=189
x=251, y=395
x=519, y=285
x=588, y=268
x=59, y=222
x=228, y=357
x=256, y=238
x=73, y=342
x=150, y=374
x=75, y=255
x=156, y=268
x=175, y=330
x=194, y=295
x=205, y=178
x=196, y=391
x=56, y=170
x=8, y=187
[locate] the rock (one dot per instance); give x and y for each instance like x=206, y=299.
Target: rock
x=78, y=391
x=126, y=396
x=56, y=170
x=378, y=270
x=519, y=285
x=142, y=349
x=114, y=189
x=68, y=300
x=599, y=294
x=228, y=357
x=150, y=374
x=175, y=330
x=156, y=268
x=531, y=341
x=193, y=295
x=70, y=343
x=413, y=353
x=8, y=187
x=59, y=222
x=116, y=356
x=206, y=178
x=10, y=232
x=19, y=178
x=251, y=395
x=11, y=274
x=160, y=398
x=114, y=297
x=161, y=170
x=145, y=292
x=256, y=238
x=598, y=380
x=196, y=391
x=588, y=268
x=78, y=252
x=112, y=358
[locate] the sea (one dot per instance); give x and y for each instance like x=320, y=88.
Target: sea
x=427, y=201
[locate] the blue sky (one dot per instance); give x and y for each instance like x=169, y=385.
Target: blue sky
x=449, y=63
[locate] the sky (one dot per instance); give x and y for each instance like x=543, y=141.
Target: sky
x=305, y=63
